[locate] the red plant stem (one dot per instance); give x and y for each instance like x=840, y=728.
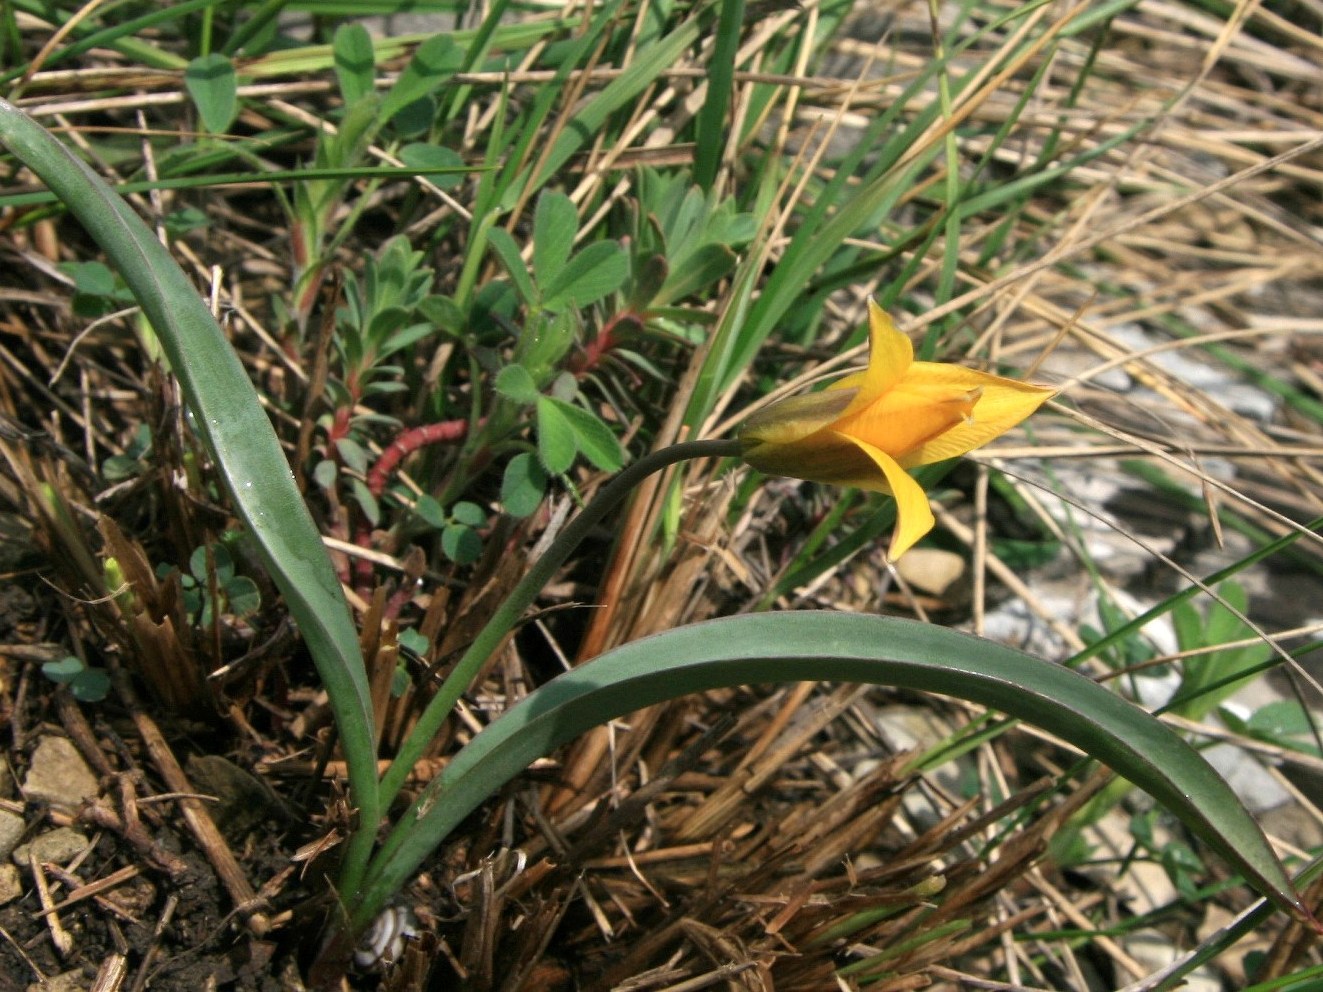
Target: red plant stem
x=587, y=359
x=339, y=425
x=446, y=432
x=450, y=431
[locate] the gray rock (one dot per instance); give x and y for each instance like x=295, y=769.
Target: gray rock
x=918, y=729
x=1213, y=380
x=11, y=831
x=1154, y=950
x=59, y=775
x=11, y=884
x=1067, y=362
x=57, y=846
x=1292, y=825
x=1258, y=790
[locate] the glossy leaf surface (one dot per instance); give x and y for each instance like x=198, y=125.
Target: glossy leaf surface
x=785, y=647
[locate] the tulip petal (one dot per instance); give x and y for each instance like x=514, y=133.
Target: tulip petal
x=890, y=355
x=914, y=517
x=793, y=419
x=1002, y=404
x=909, y=416
x=943, y=375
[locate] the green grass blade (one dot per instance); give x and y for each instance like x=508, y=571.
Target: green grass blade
x=475, y=52
x=256, y=23
x=1131, y=629
x=711, y=123
x=207, y=180
x=247, y=454
x=784, y=647
x=319, y=58
x=123, y=35
x=589, y=121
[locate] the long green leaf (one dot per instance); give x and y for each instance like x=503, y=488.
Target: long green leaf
x=233, y=178
x=784, y=647
x=247, y=453
x=589, y=121
x=711, y=125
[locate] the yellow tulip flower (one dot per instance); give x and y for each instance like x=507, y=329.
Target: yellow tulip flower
x=868, y=428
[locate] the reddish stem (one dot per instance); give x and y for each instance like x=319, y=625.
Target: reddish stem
x=591, y=355
x=446, y=432
x=339, y=426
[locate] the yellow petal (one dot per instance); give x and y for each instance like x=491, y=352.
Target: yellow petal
x=821, y=457
x=790, y=420
x=909, y=416
x=1001, y=405
x=890, y=355
x=914, y=517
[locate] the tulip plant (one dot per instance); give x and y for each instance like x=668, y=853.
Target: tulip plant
x=866, y=430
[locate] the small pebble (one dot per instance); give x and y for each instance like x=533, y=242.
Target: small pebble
x=11, y=831
x=11, y=884
x=57, y=846
x=59, y=775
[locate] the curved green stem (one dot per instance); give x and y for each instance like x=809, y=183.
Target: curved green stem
x=522, y=596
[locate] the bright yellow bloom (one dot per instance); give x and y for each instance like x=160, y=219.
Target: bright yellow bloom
x=868, y=428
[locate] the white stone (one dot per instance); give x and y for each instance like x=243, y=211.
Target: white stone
x=931, y=570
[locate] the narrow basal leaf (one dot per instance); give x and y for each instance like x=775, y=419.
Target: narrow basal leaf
x=713, y=128
x=648, y=64
x=229, y=417
x=784, y=647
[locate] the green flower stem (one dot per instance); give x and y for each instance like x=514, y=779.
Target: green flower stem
x=522, y=596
